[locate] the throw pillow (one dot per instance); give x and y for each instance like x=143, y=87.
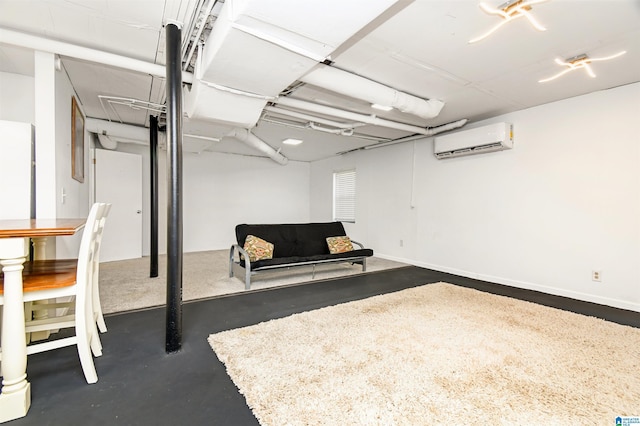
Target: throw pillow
x=258, y=248
x=339, y=244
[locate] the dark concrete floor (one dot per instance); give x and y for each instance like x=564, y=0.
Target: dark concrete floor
x=140, y=384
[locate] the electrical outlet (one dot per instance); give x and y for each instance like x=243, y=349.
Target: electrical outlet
x=401, y=243
x=596, y=276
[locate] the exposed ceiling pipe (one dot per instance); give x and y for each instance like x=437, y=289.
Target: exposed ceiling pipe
x=292, y=125
x=117, y=130
x=341, y=132
x=433, y=130
x=84, y=53
x=358, y=87
x=348, y=115
x=107, y=142
x=255, y=142
x=196, y=40
x=315, y=119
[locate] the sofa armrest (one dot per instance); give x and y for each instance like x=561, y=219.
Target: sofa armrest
x=240, y=250
x=247, y=263
x=232, y=258
x=355, y=242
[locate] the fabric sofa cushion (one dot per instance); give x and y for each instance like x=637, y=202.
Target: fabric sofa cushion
x=257, y=248
x=301, y=259
x=340, y=244
x=295, y=239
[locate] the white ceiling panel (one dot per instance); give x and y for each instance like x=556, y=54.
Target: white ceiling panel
x=109, y=25
x=417, y=47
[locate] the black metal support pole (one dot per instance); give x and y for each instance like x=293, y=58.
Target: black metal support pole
x=153, y=165
x=174, y=199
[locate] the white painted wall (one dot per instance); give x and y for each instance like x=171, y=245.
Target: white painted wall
x=222, y=191
x=18, y=103
x=76, y=201
x=542, y=216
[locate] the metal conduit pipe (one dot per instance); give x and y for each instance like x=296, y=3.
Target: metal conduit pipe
x=276, y=121
x=196, y=40
x=244, y=135
x=342, y=132
x=433, y=130
x=359, y=87
x=348, y=115
x=308, y=117
x=92, y=55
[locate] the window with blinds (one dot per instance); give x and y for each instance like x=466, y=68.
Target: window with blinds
x=344, y=196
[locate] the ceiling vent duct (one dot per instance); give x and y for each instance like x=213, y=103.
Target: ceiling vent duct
x=117, y=131
x=359, y=87
x=255, y=142
x=256, y=49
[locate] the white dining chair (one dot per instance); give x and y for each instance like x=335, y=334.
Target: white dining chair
x=47, y=280
x=95, y=278
x=97, y=306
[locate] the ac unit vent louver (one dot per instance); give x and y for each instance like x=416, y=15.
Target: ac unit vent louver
x=494, y=137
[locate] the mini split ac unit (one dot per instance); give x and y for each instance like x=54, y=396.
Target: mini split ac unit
x=494, y=137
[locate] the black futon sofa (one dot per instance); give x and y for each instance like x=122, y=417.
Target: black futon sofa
x=294, y=244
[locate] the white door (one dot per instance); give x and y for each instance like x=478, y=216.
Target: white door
x=119, y=182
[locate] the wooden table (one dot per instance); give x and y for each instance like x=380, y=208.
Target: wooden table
x=14, y=249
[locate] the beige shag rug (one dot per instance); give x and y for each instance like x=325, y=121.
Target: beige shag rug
x=435, y=354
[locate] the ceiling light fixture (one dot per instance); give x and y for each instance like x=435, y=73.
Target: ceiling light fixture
x=292, y=142
x=509, y=11
x=577, y=62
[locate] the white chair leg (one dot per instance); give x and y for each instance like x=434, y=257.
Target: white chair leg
x=86, y=359
x=85, y=336
x=102, y=326
x=95, y=343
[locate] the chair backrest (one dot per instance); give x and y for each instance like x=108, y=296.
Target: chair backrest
x=84, y=273
x=102, y=220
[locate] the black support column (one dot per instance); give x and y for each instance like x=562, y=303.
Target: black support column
x=153, y=166
x=174, y=199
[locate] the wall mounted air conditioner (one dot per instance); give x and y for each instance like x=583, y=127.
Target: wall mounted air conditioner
x=494, y=137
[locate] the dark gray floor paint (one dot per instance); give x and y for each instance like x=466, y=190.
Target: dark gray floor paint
x=140, y=384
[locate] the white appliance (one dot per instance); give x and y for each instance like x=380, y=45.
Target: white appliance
x=493, y=137
x=17, y=170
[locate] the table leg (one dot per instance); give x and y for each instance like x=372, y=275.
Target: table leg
x=39, y=253
x=16, y=390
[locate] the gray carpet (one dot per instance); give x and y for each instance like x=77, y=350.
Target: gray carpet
x=125, y=285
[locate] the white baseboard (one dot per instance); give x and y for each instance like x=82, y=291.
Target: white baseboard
x=586, y=297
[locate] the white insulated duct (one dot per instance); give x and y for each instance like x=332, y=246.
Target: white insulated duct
x=244, y=135
x=107, y=142
x=117, y=131
x=359, y=87
x=92, y=55
x=259, y=48
x=348, y=115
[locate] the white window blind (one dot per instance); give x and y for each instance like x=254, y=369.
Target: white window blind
x=344, y=196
